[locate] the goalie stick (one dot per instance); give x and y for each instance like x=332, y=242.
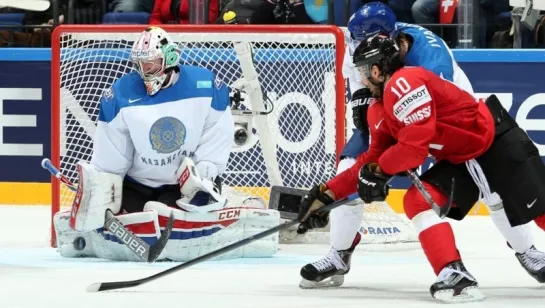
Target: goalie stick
x=130, y=240
x=441, y=211
x=105, y=286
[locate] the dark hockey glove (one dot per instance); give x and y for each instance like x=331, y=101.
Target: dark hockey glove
x=372, y=184
x=311, y=202
x=360, y=103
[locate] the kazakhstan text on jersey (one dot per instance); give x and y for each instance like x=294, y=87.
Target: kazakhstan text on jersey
x=428, y=51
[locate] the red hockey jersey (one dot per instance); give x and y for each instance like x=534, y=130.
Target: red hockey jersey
x=420, y=114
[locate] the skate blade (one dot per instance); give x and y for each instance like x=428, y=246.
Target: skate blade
x=469, y=294
x=331, y=282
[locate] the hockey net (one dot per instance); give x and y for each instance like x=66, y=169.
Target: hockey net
x=291, y=76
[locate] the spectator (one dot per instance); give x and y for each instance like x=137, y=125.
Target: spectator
x=39, y=35
x=402, y=9
x=177, y=12
x=266, y=12
x=249, y=12
x=130, y=6
x=425, y=11
x=495, y=28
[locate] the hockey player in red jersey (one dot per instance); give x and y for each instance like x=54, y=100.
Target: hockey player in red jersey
x=477, y=143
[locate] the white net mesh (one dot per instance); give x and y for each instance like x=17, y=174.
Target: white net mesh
x=294, y=73
x=298, y=79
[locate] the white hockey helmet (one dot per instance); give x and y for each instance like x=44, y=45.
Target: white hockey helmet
x=154, y=55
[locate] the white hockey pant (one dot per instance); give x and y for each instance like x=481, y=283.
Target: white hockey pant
x=345, y=220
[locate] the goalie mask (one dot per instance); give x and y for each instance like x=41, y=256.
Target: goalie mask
x=155, y=56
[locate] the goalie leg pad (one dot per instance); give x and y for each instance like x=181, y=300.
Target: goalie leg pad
x=97, y=192
x=71, y=243
x=108, y=244
x=195, y=234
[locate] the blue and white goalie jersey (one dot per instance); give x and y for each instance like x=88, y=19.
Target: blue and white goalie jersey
x=146, y=137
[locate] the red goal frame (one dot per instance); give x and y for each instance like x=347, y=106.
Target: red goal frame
x=55, y=76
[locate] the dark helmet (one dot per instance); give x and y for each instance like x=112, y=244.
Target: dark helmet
x=381, y=51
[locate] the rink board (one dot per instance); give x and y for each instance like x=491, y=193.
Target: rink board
x=25, y=112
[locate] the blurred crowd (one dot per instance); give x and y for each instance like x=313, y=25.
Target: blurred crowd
x=493, y=23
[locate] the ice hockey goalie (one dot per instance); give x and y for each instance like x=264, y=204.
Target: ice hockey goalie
x=162, y=141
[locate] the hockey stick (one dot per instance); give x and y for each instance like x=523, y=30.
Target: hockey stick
x=441, y=211
x=134, y=243
x=105, y=286
x=29, y=5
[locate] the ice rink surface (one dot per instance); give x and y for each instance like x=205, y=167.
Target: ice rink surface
x=32, y=275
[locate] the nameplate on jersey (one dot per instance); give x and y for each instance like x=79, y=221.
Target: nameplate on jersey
x=411, y=101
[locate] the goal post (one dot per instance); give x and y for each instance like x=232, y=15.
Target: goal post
x=288, y=77
x=296, y=68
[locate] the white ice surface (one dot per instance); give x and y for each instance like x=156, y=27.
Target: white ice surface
x=34, y=276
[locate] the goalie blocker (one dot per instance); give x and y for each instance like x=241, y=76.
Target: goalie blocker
x=513, y=169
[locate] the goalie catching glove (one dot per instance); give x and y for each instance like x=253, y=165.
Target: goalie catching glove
x=199, y=194
x=311, y=202
x=373, y=184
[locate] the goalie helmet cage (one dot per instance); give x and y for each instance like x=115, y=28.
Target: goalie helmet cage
x=296, y=69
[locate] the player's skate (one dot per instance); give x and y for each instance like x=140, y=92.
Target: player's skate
x=533, y=262
x=328, y=271
x=455, y=285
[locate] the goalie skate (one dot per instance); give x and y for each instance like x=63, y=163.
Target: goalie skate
x=533, y=261
x=456, y=285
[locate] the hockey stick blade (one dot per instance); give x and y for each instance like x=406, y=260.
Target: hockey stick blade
x=134, y=243
x=106, y=286
x=161, y=243
x=441, y=211
x=124, y=235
